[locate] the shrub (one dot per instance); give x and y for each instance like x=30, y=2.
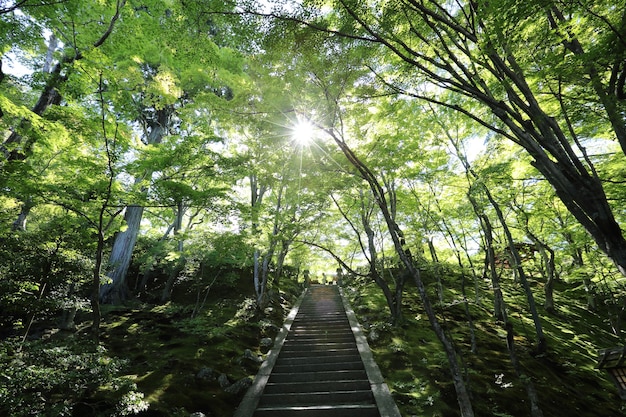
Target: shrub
x=45, y=379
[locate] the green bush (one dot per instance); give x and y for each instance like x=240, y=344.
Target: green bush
x=45, y=379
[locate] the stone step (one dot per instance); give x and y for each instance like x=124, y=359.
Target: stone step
x=303, y=329
x=327, y=358
x=321, y=338
x=318, y=376
x=318, y=353
x=305, y=387
x=321, y=324
x=290, y=346
x=318, y=367
x=319, y=398
x=321, y=327
x=319, y=411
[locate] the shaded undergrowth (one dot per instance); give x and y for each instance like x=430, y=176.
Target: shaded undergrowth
x=415, y=366
x=183, y=362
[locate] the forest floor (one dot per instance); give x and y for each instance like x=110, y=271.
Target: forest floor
x=182, y=364
x=185, y=364
x=416, y=370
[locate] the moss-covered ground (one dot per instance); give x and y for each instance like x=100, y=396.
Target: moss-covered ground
x=176, y=359
x=416, y=368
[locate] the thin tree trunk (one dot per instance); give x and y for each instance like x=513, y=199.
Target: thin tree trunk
x=256, y=273
x=435, y=258
x=490, y=259
x=517, y=265
x=180, y=262
x=95, y=293
x=549, y=271
x=280, y=262
x=372, y=259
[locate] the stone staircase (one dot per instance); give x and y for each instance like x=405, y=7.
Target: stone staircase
x=320, y=366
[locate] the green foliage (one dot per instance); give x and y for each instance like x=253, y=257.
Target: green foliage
x=43, y=272
x=54, y=380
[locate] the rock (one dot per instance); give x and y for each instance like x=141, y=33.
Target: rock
x=373, y=336
x=223, y=381
x=197, y=414
x=239, y=386
x=206, y=374
x=266, y=342
x=252, y=357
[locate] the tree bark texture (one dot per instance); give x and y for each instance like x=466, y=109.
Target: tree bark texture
x=119, y=260
x=116, y=291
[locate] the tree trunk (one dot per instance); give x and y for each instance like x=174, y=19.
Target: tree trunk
x=95, y=285
x=66, y=321
x=265, y=273
x=116, y=291
x=257, y=192
x=400, y=280
x=549, y=271
x=490, y=259
x=178, y=267
x=280, y=262
x=435, y=258
x=517, y=265
x=256, y=274
x=20, y=223
x=372, y=259
x=180, y=262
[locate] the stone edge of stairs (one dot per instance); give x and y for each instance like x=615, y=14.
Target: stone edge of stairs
x=382, y=396
x=250, y=401
x=386, y=405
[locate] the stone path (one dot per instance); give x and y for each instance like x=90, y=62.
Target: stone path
x=320, y=366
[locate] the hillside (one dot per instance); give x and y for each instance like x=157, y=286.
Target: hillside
x=169, y=352
x=183, y=364
x=565, y=377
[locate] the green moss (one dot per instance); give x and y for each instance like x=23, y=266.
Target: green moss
x=412, y=360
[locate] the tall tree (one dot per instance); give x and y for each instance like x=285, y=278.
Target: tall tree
x=167, y=78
